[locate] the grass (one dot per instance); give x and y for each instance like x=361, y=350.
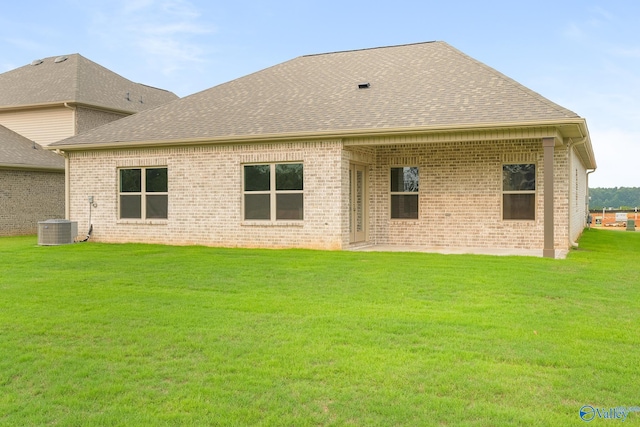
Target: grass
x=109, y=335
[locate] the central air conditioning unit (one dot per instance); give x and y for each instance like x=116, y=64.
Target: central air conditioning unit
x=57, y=232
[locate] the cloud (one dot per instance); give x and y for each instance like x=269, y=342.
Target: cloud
x=597, y=20
x=167, y=33
x=574, y=32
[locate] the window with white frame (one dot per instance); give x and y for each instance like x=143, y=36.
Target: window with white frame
x=143, y=193
x=273, y=192
x=519, y=191
x=404, y=193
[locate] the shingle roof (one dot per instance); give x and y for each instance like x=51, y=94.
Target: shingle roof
x=79, y=80
x=16, y=151
x=418, y=85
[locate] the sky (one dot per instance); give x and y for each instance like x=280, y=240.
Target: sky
x=583, y=54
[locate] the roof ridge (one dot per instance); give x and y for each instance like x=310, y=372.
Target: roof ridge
x=76, y=80
x=371, y=48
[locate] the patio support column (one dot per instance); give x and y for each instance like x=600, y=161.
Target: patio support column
x=549, y=247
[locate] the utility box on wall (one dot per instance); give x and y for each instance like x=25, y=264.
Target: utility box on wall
x=57, y=232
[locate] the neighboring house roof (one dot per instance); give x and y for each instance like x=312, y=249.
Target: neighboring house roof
x=77, y=80
x=417, y=86
x=16, y=151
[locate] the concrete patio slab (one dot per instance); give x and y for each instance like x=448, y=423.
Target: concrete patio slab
x=559, y=254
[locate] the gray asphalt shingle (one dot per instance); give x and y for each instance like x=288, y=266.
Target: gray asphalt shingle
x=418, y=85
x=20, y=152
x=79, y=80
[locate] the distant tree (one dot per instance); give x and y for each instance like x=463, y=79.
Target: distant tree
x=616, y=197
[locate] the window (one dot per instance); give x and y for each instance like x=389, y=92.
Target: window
x=273, y=192
x=519, y=191
x=143, y=193
x=404, y=193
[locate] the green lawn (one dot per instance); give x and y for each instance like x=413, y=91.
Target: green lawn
x=97, y=334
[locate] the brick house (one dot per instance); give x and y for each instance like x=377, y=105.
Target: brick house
x=413, y=145
x=45, y=101
x=32, y=184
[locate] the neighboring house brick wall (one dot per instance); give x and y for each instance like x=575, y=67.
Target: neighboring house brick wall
x=87, y=118
x=27, y=197
x=205, y=195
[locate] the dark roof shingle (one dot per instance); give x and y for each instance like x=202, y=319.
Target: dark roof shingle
x=16, y=151
x=78, y=80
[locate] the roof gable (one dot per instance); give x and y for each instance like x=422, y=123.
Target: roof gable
x=409, y=86
x=75, y=79
x=16, y=151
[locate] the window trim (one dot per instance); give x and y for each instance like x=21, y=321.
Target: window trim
x=273, y=194
x=504, y=192
x=143, y=195
x=404, y=193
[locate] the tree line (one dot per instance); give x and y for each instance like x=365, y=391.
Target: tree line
x=622, y=198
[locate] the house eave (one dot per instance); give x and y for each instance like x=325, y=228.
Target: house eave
x=559, y=129
x=31, y=168
x=63, y=104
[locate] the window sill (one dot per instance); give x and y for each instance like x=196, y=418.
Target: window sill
x=414, y=221
x=299, y=223
x=143, y=221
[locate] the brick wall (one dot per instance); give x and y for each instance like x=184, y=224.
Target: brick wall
x=460, y=195
x=205, y=195
x=87, y=118
x=27, y=197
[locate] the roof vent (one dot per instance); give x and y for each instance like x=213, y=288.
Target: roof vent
x=60, y=59
x=36, y=62
x=364, y=85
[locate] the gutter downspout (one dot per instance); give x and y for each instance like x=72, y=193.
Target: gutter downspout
x=75, y=124
x=587, y=202
x=67, y=163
